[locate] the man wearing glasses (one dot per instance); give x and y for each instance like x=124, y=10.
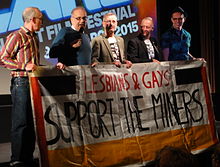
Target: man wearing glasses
x=107, y=47
x=175, y=42
x=71, y=45
x=20, y=54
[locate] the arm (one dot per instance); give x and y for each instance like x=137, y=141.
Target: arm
x=64, y=40
x=165, y=45
x=95, y=52
x=132, y=51
x=194, y=58
x=157, y=50
x=57, y=47
x=128, y=63
x=136, y=51
x=9, y=53
x=166, y=52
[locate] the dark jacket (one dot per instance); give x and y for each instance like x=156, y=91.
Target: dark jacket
x=61, y=47
x=137, y=50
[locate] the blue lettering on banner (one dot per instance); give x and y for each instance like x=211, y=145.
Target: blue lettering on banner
x=55, y=10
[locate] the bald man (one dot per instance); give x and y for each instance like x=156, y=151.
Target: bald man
x=144, y=48
x=20, y=54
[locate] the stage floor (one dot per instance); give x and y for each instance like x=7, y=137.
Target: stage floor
x=5, y=153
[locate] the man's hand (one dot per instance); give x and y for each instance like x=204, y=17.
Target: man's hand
x=31, y=67
x=94, y=64
x=200, y=59
x=156, y=61
x=60, y=66
x=117, y=63
x=76, y=43
x=128, y=63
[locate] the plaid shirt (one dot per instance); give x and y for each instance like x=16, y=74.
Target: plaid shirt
x=21, y=48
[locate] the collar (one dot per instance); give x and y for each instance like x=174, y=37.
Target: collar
x=26, y=31
x=75, y=29
x=142, y=37
x=104, y=35
x=175, y=30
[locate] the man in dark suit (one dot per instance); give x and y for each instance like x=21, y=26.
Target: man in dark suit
x=144, y=48
x=107, y=47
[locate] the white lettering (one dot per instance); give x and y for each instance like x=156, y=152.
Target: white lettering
x=50, y=31
x=40, y=36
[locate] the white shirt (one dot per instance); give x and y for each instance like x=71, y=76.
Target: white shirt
x=114, y=48
x=150, y=48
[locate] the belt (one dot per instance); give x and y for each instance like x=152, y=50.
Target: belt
x=19, y=77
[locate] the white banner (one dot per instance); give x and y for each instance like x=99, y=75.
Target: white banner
x=106, y=116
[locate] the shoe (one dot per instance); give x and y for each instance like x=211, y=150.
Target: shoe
x=17, y=164
x=34, y=163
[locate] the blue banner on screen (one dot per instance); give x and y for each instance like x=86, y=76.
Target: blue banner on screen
x=57, y=15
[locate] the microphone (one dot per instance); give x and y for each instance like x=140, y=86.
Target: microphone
x=81, y=30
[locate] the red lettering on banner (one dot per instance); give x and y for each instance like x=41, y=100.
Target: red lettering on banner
x=128, y=85
x=165, y=77
x=155, y=78
x=106, y=82
x=121, y=82
x=148, y=84
x=95, y=86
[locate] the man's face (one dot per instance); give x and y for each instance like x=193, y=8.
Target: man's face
x=110, y=23
x=146, y=27
x=178, y=19
x=79, y=19
x=38, y=21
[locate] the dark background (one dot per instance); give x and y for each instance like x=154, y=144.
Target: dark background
x=192, y=24
x=203, y=24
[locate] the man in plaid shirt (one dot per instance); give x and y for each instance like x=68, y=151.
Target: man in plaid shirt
x=20, y=54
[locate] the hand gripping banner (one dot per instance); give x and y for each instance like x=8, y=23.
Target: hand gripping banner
x=109, y=116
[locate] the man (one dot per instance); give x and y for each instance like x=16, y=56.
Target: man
x=107, y=47
x=144, y=48
x=175, y=42
x=71, y=45
x=21, y=55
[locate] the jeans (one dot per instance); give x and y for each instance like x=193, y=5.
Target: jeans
x=22, y=130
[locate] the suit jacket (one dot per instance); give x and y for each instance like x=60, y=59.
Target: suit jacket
x=137, y=51
x=101, y=51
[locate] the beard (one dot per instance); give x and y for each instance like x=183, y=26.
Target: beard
x=145, y=33
x=109, y=29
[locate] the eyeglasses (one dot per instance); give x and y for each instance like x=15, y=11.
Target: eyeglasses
x=80, y=18
x=147, y=27
x=40, y=18
x=110, y=21
x=179, y=19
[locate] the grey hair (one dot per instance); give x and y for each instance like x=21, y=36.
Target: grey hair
x=29, y=13
x=150, y=19
x=78, y=8
x=109, y=14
